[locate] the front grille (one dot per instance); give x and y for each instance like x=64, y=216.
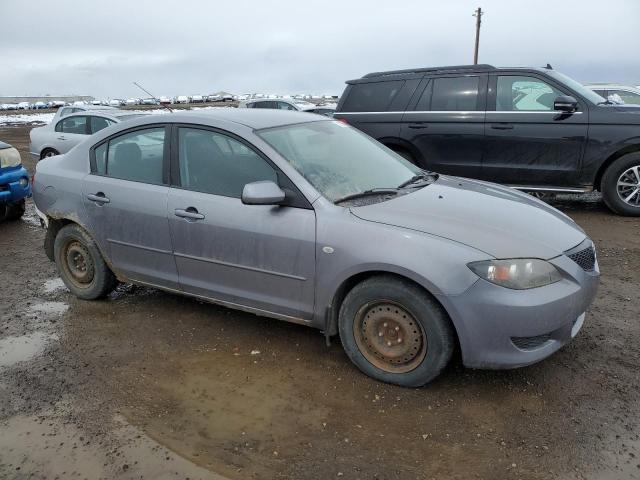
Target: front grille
x=529, y=343
x=586, y=258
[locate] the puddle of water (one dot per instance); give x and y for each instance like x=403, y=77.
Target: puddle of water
x=49, y=308
x=53, y=285
x=19, y=349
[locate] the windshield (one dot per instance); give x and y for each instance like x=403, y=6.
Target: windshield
x=577, y=86
x=337, y=159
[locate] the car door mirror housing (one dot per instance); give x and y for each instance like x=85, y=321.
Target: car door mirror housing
x=264, y=192
x=565, y=103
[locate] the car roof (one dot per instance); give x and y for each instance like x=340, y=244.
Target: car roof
x=256, y=119
x=113, y=114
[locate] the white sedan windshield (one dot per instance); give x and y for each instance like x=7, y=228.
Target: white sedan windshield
x=337, y=159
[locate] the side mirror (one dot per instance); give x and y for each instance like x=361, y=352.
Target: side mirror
x=265, y=192
x=565, y=103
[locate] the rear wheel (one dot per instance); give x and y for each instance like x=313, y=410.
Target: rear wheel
x=81, y=265
x=393, y=331
x=621, y=185
x=49, y=152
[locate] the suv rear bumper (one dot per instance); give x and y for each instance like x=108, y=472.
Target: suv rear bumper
x=11, y=190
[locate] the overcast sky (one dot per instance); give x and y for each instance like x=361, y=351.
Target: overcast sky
x=297, y=46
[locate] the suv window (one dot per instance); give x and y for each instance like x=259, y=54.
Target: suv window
x=76, y=125
x=519, y=93
x=627, y=97
x=372, y=96
x=98, y=123
x=137, y=156
x=215, y=163
x=455, y=94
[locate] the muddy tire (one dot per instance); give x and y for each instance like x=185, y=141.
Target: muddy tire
x=16, y=210
x=621, y=185
x=49, y=152
x=80, y=264
x=395, y=332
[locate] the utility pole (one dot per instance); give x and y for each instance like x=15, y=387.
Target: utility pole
x=478, y=14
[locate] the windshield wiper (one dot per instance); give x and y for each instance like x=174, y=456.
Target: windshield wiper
x=417, y=178
x=367, y=193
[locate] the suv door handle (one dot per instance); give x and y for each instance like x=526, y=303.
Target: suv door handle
x=98, y=197
x=418, y=125
x=190, y=212
x=502, y=126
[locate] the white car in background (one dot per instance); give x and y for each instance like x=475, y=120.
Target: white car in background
x=616, y=93
x=278, y=104
x=131, y=101
x=182, y=99
x=197, y=99
x=24, y=106
x=62, y=134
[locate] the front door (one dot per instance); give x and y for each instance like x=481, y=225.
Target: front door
x=527, y=142
x=125, y=196
x=445, y=124
x=258, y=256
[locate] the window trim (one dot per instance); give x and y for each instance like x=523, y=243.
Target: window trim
x=294, y=197
x=165, y=160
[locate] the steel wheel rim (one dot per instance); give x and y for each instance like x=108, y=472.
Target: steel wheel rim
x=628, y=186
x=389, y=336
x=78, y=264
x=49, y=154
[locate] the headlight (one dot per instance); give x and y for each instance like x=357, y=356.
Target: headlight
x=9, y=157
x=518, y=273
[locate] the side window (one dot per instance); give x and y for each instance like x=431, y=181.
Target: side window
x=371, y=97
x=211, y=162
x=626, y=97
x=136, y=156
x=285, y=106
x=77, y=125
x=424, y=103
x=455, y=94
x=98, y=123
x=518, y=93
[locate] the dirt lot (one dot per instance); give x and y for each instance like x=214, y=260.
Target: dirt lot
x=147, y=384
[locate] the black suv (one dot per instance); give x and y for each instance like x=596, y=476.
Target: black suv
x=531, y=128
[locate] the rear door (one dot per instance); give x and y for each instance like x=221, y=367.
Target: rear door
x=528, y=143
x=125, y=196
x=258, y=256
x=445, y=124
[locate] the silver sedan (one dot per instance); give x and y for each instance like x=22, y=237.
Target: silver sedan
x=301, y=218
x=65, y=132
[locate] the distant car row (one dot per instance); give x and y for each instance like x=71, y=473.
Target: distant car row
x=32, y=105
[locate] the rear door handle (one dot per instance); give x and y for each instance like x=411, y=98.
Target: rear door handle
x=98, y=197
x=191, y=213
x=62, y=138
x=418, y=125
x=502, y=126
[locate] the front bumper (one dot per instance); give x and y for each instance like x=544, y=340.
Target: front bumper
x=10, y=189
x=502, y=328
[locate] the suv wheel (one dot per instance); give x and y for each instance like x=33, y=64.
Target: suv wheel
x=621, y=185
x=395, y=332
x=81, y=265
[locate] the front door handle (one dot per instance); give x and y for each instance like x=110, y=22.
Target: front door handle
x=191, y=213
x=98, y=197
x=62, y=138
x=417, y=126
x=502, y=126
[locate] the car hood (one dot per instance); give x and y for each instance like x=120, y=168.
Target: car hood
x=497, y=220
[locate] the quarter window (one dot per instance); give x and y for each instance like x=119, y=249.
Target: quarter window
x=98, y=123
x=371, y=97
x=285, y=106
x=76, y=125
x=518, y=93
x=455, y=94
x=137, y=156
x=215, y=163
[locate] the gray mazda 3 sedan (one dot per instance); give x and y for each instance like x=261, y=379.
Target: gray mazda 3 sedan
x=302, y=218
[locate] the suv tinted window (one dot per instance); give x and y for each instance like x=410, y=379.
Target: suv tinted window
x=98, y=123
x=371, y=97
x=455, y=94
x=519, y=93
x=76, y=125
x=211, y=162
x=627, y=97
x=136, y=156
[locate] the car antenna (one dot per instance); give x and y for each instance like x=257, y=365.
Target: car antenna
x=152, y=96
x=549, y=67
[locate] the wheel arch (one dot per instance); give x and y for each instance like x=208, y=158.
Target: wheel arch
x=612, y=158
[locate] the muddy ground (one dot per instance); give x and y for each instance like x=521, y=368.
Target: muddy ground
x=146, y=384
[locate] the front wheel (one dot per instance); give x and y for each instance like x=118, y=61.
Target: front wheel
x=395, y=332
x=621, y=185
x=80, y=264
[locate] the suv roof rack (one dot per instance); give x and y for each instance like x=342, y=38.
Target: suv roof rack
x=455, y=68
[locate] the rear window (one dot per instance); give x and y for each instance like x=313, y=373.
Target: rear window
x=371, y=97
x=455, y=94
